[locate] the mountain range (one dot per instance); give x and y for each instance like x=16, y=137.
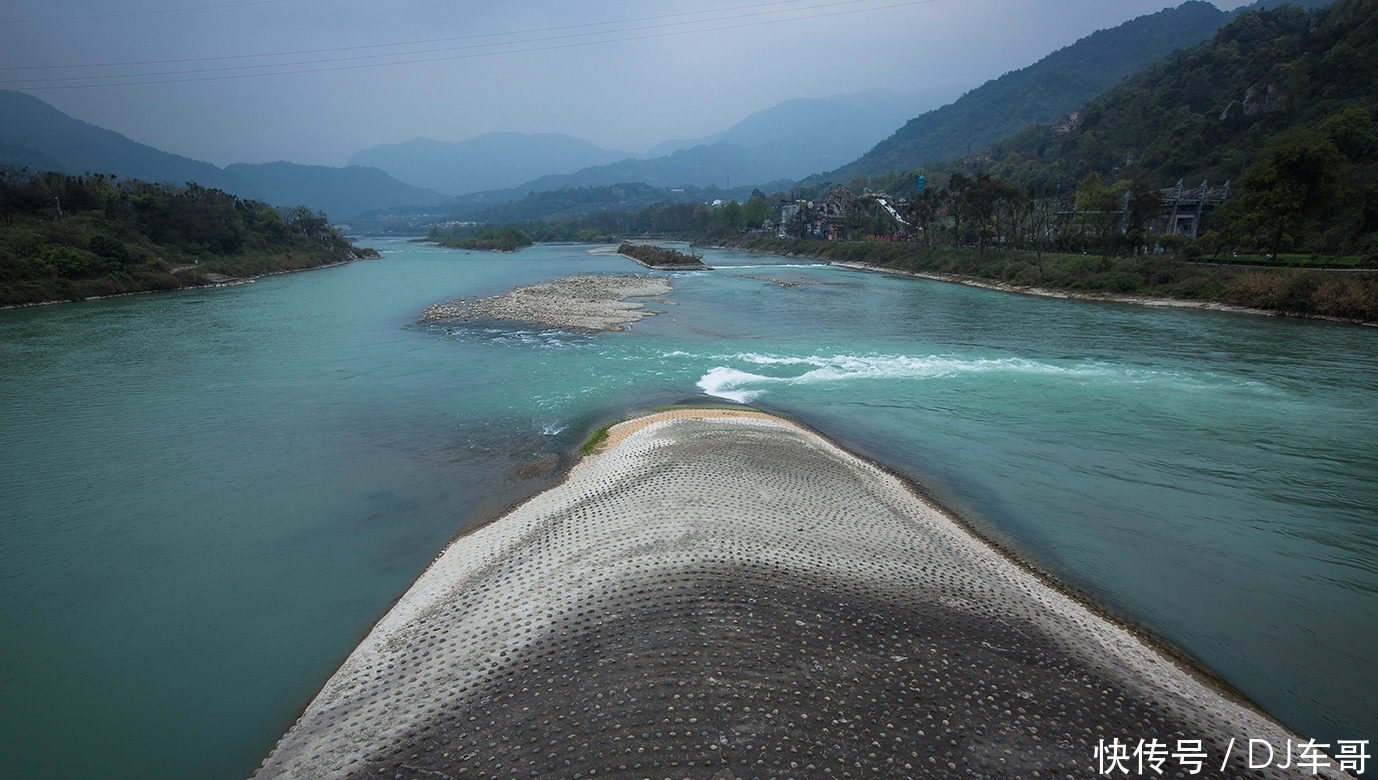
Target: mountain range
x=758, y=150
x=776, y=145
x=785, y=142
x=793, y=139
x=492, y=161
x=771, y=148
x=1049, y=89
x=35, y=135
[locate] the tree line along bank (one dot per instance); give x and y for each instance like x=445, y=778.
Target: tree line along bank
x=68, y=238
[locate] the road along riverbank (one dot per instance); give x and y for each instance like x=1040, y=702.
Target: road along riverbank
x=722, y=594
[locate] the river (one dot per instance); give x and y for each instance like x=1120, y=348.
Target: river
x=207, y=497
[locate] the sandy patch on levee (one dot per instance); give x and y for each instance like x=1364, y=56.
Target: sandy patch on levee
x=591, y=303
x=723, y=594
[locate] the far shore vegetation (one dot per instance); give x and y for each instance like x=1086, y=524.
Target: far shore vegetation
x=1292, y=291
x=483, y=238
x=69, y=238
x=985, y=244
x=661, y=257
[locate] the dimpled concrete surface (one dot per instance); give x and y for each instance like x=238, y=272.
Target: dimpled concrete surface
x=729, y=596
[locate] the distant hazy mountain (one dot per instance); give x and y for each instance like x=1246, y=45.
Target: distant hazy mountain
x=786, y=141
x=1051, y=88
x=701, y=166
x=35, y=134
x=838, y=125
x=487, y=162
x=341, y=192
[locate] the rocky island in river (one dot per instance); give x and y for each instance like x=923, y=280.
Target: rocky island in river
x=588, y=302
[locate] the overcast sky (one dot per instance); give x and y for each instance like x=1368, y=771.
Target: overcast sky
x=625, y=75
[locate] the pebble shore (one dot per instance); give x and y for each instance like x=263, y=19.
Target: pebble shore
x=588, y=303
x=721, y=594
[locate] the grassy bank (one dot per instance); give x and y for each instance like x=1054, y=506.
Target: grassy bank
x=1298, y=292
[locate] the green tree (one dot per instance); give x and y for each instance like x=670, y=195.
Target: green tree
x=923, y=215
x=1286, y=189
x=1352, y=132
x=1100, y=209
x=731, y=216
x=756, y=211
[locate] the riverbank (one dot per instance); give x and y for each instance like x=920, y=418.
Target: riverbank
x=720, y=593
x=587, y=303
x=1043, y=292
x=1152, y=280
x=211, y=280
x=134, y=237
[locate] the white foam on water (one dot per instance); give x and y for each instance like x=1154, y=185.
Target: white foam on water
x=837, y=367
x=744, y=386
x=771, y=265
x=723, y=382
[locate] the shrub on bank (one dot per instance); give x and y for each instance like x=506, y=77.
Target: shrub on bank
x=656, y=256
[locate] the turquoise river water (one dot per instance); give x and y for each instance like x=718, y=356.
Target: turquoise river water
x=208, y=497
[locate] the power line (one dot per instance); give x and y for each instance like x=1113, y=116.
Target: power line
x=471, y=56
x=142, y=13
x=114, y=82
x=106, y=79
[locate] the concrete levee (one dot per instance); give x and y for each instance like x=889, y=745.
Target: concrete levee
x=730, y=596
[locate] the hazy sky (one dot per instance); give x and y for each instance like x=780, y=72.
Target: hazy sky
x=625, y=75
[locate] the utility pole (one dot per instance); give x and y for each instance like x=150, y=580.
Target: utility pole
x=58, y=200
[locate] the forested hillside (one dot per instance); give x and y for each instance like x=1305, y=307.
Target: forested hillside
x=1280, y=103
x=73, y=237
x=39, y=137
x=33, y=134
x=1059, y=83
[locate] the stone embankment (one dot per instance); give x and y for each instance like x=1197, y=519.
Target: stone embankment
x=723, y=595
x=591, y=303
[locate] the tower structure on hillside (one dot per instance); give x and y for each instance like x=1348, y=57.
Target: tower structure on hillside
x=1188, y=212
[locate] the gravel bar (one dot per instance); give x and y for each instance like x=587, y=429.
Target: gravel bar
x=720, y=595
x=589, y=303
